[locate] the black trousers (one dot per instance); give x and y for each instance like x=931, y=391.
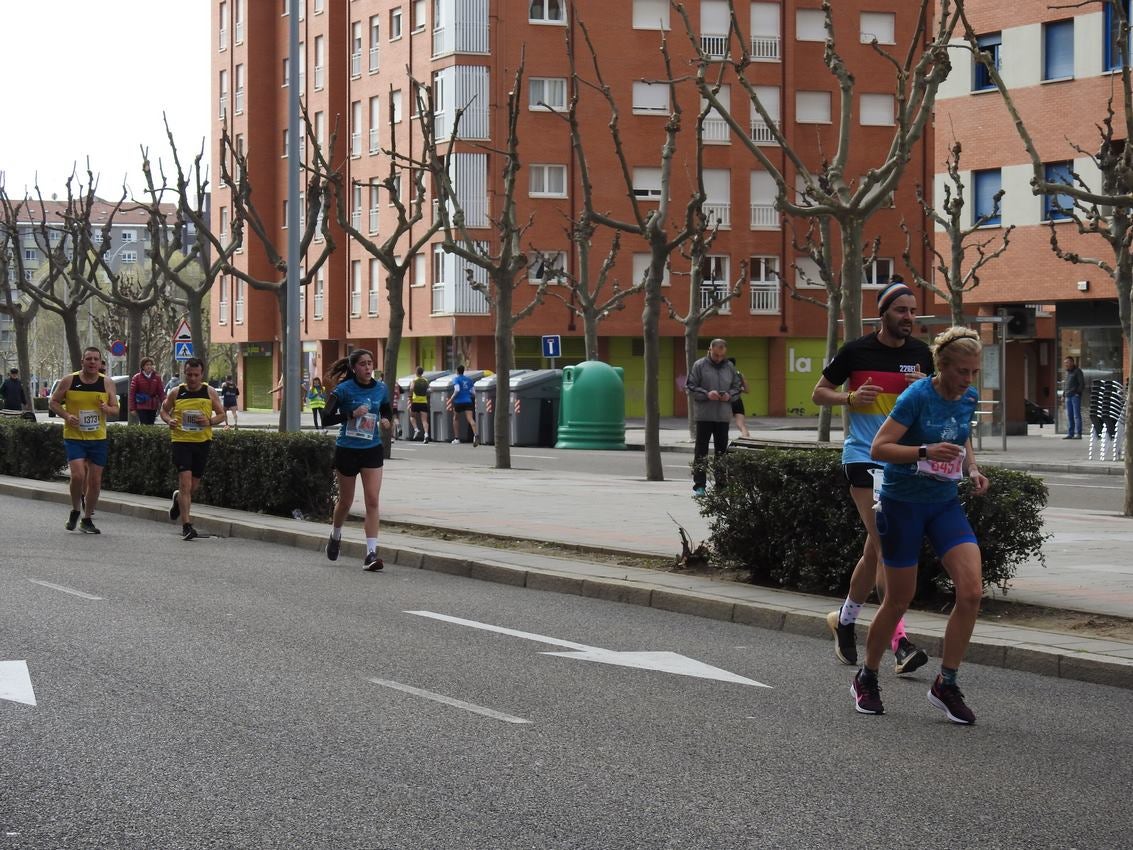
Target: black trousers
x=718, y=433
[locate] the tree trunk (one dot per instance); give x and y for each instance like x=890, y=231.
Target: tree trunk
x=134, y=317
x=833, y=310
x=71, y=335
x=852, y=274
x=505, y=354
x=590, y=333
x=692, y=334
x=955, y=285
x=22, y=326
x=650, y=322
x=395, y=296
x=195, y=301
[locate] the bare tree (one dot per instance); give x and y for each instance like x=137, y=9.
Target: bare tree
x=12, y=268
x=959, y=277
x=502, y=265
x=1105, y=209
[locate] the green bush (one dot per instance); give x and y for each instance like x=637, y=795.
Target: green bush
x=786, y=515
x=31, y=450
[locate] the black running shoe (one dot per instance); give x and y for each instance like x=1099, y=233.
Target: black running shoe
x=332, y=548
x=909, y=657
x=845, y=646
x=949, y=700
x=373, y=563
x=175, y=508
x=72, y=520
x=867, y=695
x=87, y=526
x=188, y=532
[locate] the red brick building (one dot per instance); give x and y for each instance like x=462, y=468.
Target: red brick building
x=358, y=56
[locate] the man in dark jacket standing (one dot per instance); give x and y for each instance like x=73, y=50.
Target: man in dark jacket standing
x=711, y=385
x=1073, y=390
x=12, y=390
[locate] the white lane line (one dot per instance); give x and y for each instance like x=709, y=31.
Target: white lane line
x=60, y=587
x=536, y=457
x=455, y=703
x=1086, y=486
x=487, y=627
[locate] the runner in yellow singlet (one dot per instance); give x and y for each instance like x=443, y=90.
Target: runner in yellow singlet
x=83, y=401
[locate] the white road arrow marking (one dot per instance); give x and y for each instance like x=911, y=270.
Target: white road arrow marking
x=15, y=682
x=664, y=662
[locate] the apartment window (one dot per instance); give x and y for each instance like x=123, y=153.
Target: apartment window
x=395, y=104
x=1058, y=50
x=284, y=217
x=547, y=181
x=31, y=255
x=1114, y=48
x=650, y=98
x=239, y=21
x=320, y=129
x=761, y=132
x=985, y=196
x=764, y=272
x=356, y=128
x=418, y=15
x=547, y=12
x=810, y=25
x=878, y=26
x=641, y=263
x=395, y=189
x=765, y=44
x=223, y=225
x=991, y=45
x=223, y=92
x=286, y=71
x=223, y=318
x=438, y=265
x=320, y=61
x=714, y=283
x=223, y=18
x=419, y=270
x=1058, y=207
x=129, y=257
x=395, y=24
x=286, y=141
x=546, y=264
x=647, y=183
x=375, y=122
x=356, y=49
x=547, y=93
x=650, y=14
x=318, y=6
x=812, y=107
x=320, y=294
x=372, y=306
x=375, y=41
x=764, y=191
x=375, y=195
x=877, y=110
x=241, y=291
x=877, y=272
x=302, y=64
x=129, y=236
x=715, y=128
x=355, y=288
x=239, y=80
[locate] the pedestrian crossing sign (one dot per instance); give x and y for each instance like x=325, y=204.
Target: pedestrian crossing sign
x=182, y=351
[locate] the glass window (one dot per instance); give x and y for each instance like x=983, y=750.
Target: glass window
x=986, y=186
x=548, y=181
x=810, y=25
x=650, y=14
x=547, y=93
x=547, y=11
x=395, y=24
x=651, y=98
x=879, y=25
x=1058, y=207
x=812, y=107
x=1058, y=50
x=1113, y=48
x=990, y=44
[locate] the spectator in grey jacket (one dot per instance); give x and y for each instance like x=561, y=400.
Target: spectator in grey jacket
x=711, y=385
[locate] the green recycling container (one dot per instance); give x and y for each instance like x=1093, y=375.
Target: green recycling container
x=592, y=407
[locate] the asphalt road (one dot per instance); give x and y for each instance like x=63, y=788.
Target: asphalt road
x=222, y=693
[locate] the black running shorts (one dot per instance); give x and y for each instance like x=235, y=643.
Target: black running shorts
x=352, y=461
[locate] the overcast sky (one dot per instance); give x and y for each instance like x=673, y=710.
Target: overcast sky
x=91, y=78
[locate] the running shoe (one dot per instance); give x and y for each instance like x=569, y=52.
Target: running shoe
x=426, y=439
x=698, y=491
x=909, y=657
x=72, y=520
x=175, y=508
x=845, y=644
x=950, y=700
x=475, y=440
x=332, y=548
x=188, y=532
x=87, y=526
x=867, y=695
x=373, y=563
x=456, y=442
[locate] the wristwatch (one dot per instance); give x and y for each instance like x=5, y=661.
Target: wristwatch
x=922, y=452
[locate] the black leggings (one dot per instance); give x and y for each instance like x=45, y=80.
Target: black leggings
x=317, y=415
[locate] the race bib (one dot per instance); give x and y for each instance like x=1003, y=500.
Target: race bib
x=191, y=420
x=943, y=470
x=89, y=420
x=362, y=427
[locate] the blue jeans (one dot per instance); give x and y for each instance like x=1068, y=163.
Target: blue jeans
x=1074, y=415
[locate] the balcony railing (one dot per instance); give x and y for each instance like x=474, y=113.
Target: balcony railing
x=761, y=133
x=765, y=298
x=715, y=46
x=239, y=32
x=764, y=217
x=223, y=105
x=356, y=143
x=320, y=75
x=373, y=60
x=373, y=140
x=239, y=102
x=458, y=299
x=765, y=48
x=719, y=215
x=224, y=38
x=223, y=318
x=373, y=305
x=238, y=316
x=716, y=129
x=356, y=219
x=355, y=303
x=373, y=221
x=356, y=64
x=711, y=291
x=318, y=309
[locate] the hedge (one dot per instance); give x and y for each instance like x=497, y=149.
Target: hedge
x=786, y=515
x=248, y=470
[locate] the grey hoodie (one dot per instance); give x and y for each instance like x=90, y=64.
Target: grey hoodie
x=707, y=375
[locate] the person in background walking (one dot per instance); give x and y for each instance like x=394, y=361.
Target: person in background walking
x=419, y=406
x=361, y=405
x=1073, y=390
x=146, y=393
x=228, y=396
x=15, y=398
x=190, y=411
x=738, y=412
x=711, y=384
x=173, y=382
x=317, y=400
x=461, y=402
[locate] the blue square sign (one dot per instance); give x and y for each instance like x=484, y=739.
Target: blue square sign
x=552, y=346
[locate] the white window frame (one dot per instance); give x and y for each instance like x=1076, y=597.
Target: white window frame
x=418, y=14
x=129, y=258
x=646, y=101
x=810, y=25
x=537, y=100
x=877, y=110
x=395, y=24
x=544, y=17
x=651, y=14
x=395, y=106
x=872, y=269
x=879, y=25
x=372, y=296
x=804, y=100
x=355, y=288
x=647, y=183
x=541, y=173
x=641, y=263
x=538, y=259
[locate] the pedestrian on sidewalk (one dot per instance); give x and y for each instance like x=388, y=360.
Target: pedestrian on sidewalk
x=711, y=384
x=12, y=391
x=83, y=401
x=146, y=393
x=1074, y=387
x=173, y=382
x=361, y=404
x=926, y=446
x=419, y=406
x=317, y=400
x=875, y=369
x=460, y=402
x=229, y=395
x=190, y=411
x=738, y=412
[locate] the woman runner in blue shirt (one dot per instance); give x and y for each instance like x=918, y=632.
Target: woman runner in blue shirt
x=361, y=405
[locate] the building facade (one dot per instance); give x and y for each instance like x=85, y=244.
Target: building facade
x=357, y=63
x=1058, y=63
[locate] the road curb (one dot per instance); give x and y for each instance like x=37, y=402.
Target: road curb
x=992, y=652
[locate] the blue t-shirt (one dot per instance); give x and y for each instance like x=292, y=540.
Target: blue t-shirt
x=361, y=433
x=462, y=387
x=930, y=419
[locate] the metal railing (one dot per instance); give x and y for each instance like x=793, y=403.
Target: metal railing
x=356, y=64
x=238, y=102
x=719, y=214
x=764, y=217
x=223, y=318
x=373, y=220
x=373, y=140
x=374, y=60
x=320, y=74
x=238, y=315
x=761, y=132
x=318, y=307
x=356, y=303
x=710, y=291
x=765, y=298
x=715, y=46
x=765, y=48
x=715, y=129
x=356, y=143
x=373, y=302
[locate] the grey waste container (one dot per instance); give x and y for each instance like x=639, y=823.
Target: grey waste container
x=485, y=395
x=536, y=421
x=440, y=417
x=403, y=402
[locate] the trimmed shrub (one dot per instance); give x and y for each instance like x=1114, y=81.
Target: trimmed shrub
x=786, y=515
x=31, y=450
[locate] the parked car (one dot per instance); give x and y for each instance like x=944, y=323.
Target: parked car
x=121, y=389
